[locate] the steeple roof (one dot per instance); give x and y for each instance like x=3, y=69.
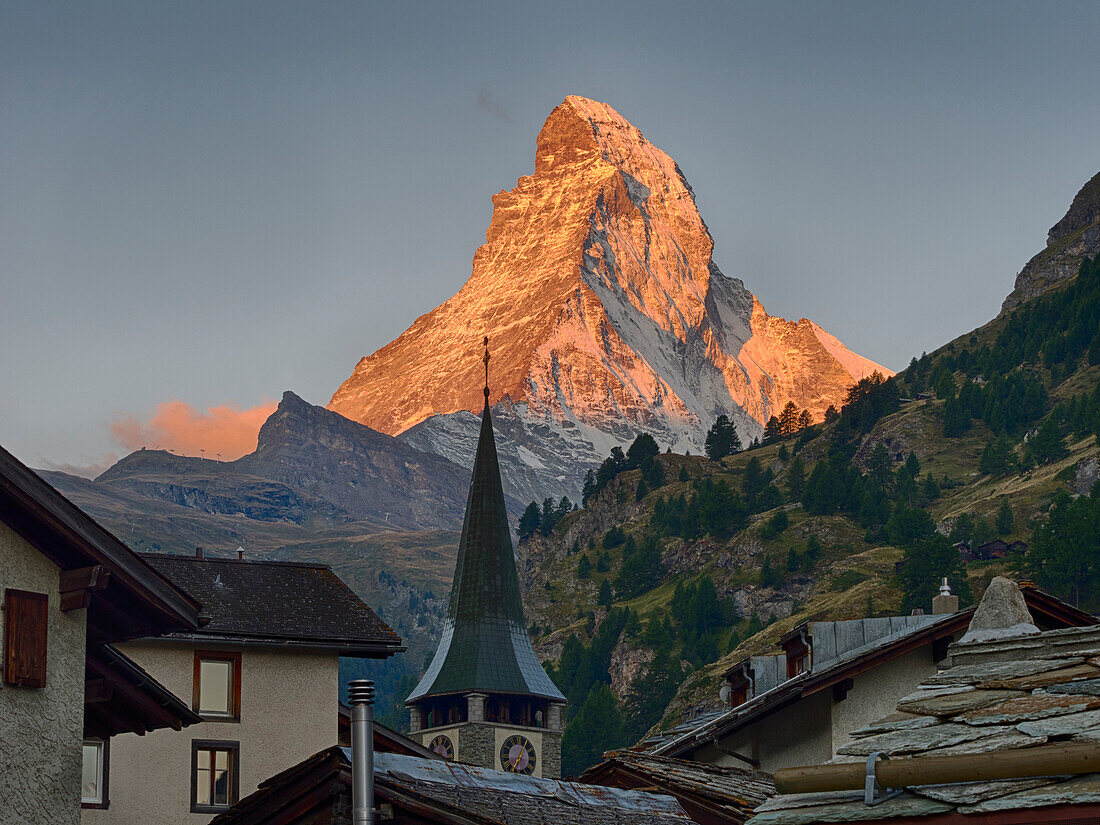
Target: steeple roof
x=484, y=646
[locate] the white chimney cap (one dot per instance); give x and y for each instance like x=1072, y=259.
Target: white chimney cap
x=945, y=588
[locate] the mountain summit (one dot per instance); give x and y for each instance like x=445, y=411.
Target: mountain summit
x=605, y=311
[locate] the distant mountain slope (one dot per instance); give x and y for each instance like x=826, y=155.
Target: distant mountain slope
x=311, y=467
x=606, y=314
x=1072, y=239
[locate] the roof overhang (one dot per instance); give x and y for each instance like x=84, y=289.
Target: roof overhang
x=126, y=598
x=352, y=648
x=120, y=697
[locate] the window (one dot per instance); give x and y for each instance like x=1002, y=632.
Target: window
x=93, y=780
x=25, y=628
x=217, y=691
x=215, y=775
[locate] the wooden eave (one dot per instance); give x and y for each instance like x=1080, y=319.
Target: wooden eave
x=120, y=697
x=135, y=601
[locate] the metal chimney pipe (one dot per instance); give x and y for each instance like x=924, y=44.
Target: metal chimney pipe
x=361, y=699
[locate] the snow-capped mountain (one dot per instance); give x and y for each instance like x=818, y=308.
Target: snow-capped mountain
x=606, y=315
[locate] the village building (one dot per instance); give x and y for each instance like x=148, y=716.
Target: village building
x=710, y=794
x=412, y=790
x=798, y=707
x=1006, y=734
x=262, y=672
x=71, y=591
x=485, y=699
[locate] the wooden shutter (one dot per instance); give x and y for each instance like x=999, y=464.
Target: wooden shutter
x=25, y=620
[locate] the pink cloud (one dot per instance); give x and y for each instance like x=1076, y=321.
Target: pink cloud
x=177, y=426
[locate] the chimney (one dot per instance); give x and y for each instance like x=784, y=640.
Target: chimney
x=198, y=553
x=361, y=699
x=945, y=602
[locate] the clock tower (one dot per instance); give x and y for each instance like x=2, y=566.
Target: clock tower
x=485, y=699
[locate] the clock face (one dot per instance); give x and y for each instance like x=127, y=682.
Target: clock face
x=517, y=755
x=443, y=746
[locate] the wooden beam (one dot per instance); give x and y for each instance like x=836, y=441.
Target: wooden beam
x=841, y=688
x=1043, y=760
x=97, y=690
x=78, y=585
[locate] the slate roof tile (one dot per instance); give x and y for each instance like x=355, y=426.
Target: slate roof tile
x=1053, y=697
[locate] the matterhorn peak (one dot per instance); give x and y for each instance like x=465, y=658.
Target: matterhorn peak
x=607, y=313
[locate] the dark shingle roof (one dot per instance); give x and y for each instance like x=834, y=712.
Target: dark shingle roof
x=268, y=601
x=484, y=644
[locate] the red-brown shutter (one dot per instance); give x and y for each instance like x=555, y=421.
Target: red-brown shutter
x=25, y=620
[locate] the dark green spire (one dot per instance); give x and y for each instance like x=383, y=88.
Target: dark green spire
x=484, y=645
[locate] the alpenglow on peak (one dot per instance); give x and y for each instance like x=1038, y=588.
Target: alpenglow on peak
x=607, y=312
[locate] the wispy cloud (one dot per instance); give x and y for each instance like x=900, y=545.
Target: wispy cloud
x=90, y=469
x=487, y=103
x=178, y=426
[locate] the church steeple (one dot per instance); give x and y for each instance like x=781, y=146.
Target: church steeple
x=484, y=656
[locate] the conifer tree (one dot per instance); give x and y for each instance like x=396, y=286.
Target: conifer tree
x=788, y=420
x=529, y=521
x=604, y=598
x=1005, y=519
x=722, y=439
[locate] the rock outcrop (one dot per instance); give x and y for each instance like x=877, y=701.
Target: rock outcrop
x=1073, y=238
x=606, y=315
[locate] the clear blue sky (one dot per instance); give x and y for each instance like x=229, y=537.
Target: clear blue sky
x=217, y=201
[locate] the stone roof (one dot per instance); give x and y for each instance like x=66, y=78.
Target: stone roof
x=728, y=792
x=1001, y=694
x=305, y=605
x=319, y=789
x=484, y=644
x=517, y=799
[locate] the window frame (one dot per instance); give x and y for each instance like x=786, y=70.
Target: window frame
x=104, y=800
x=234, y=658
x=234, y=749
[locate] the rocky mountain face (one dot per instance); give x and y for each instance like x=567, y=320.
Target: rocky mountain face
x=312, y=467
x=607, y=316
x=1073, y=238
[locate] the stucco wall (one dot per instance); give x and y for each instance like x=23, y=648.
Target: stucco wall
x=876, y=693
x=797, y=735
x=41, y=729
x=288, y=713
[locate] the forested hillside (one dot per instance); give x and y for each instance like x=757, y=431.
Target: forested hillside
x=677, y=565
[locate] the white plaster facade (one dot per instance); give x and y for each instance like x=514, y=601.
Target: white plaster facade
x=41, y=729
x=810, y=731
x=288, y=713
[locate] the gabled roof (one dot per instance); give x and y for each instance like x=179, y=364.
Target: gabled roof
x=443, y=792
x=709, y=793
x=1001, y=695
x=484, y=644
x=283, y=603
x=135, y=600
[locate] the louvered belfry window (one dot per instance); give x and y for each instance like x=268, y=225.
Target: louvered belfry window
x=25, y=626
